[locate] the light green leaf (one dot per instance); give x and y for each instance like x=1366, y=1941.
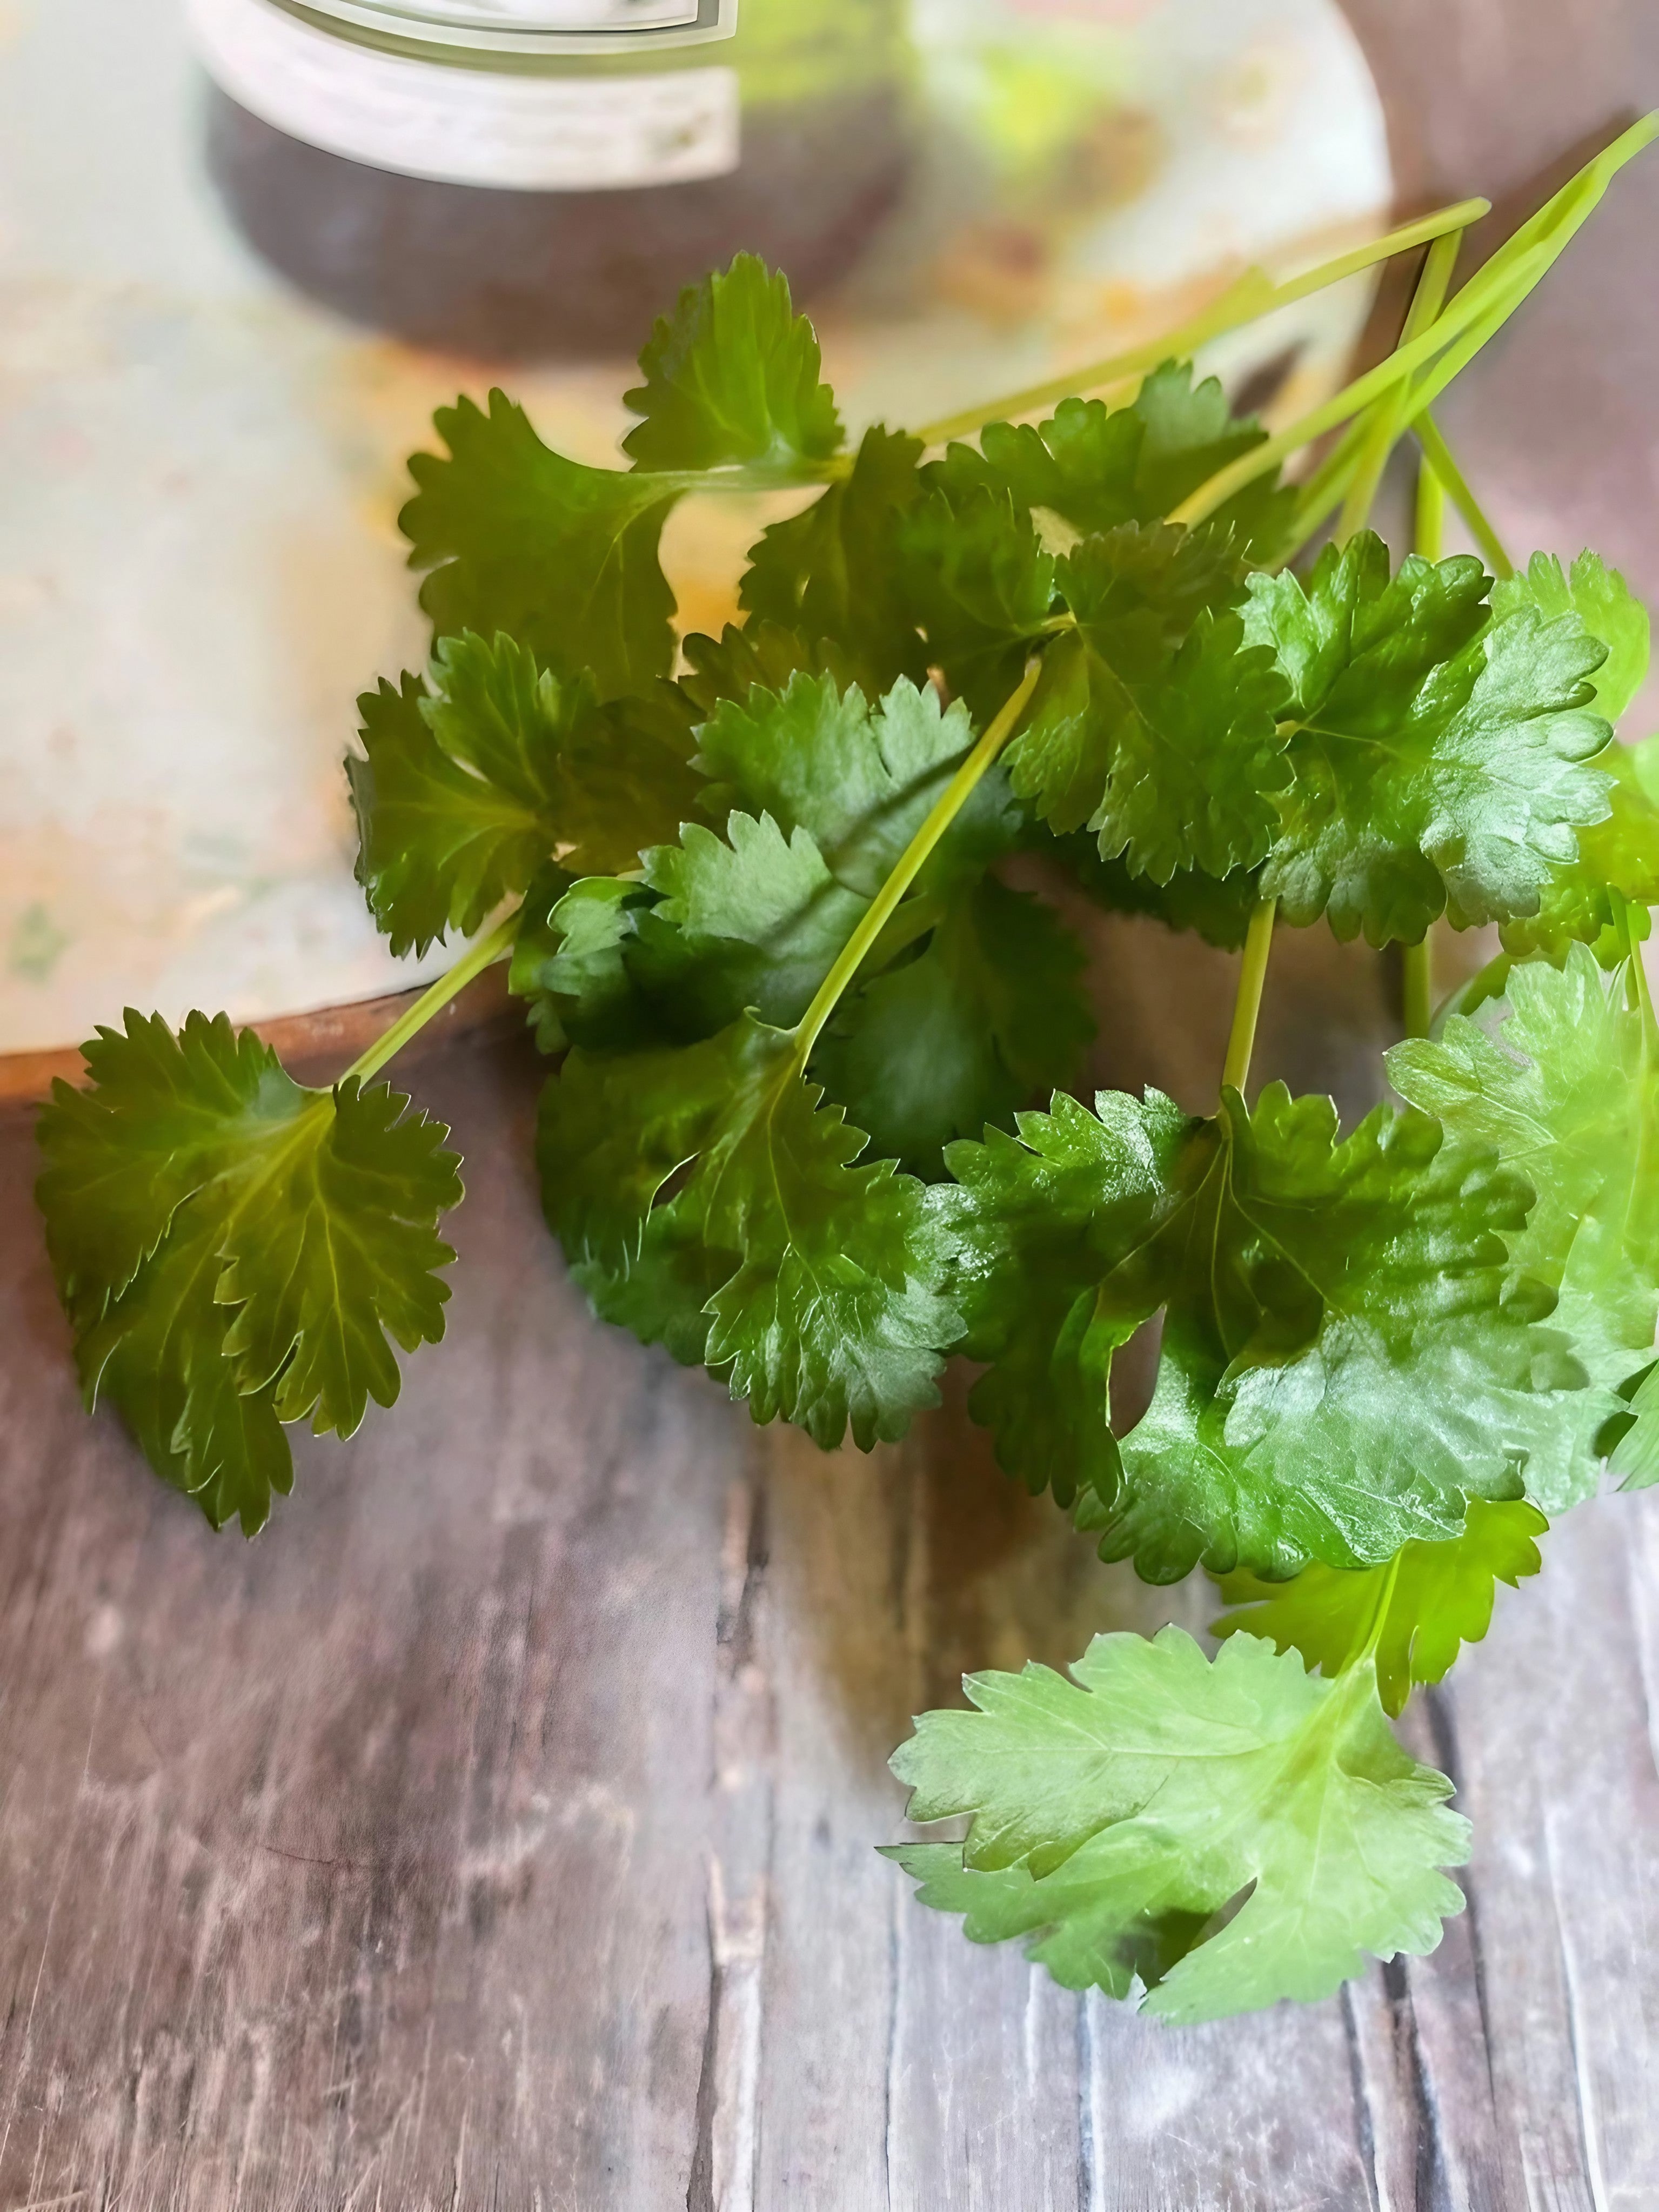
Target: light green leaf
x=731, y=378
x=221, y=1235
x=1438, y=758
x=826, y=1309
x=1228, y=1833
x=1569, y=1100
x=1604, y=602
x=1435, y=1598
x=1339, y=1372
x=469, y=785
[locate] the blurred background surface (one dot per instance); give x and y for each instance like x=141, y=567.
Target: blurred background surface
x=199, y=563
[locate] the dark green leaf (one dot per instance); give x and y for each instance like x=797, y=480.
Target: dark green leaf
x=1096, y=467
x=1155, y=723
x=982, y=588
x=826, y=1309
x=1437, y=757
x=835, y=574
x=1216, y=907
x=1423, y=1607
x=1227, y=1832
x=561, y=558
x=468, y=787
x=988, y=1017
x=234, y=1251
x=731, y=378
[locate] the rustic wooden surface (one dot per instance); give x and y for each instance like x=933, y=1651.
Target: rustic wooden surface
x=499, y=1830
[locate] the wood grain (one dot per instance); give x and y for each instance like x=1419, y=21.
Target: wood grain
x=499, y=1830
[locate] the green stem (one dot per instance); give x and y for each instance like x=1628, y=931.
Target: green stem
x=1441, y=467
x=1417, y=992
x=1388, y=417
x=1253, y=295
x=1247, y=1006
x=1456, y=335
x=950, y=804
x=1430, y=536
x=409, y=1024
x=1354, y=398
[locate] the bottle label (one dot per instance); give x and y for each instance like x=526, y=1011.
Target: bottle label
x=470, y=126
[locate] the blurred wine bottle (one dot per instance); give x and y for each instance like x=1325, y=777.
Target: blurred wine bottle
x=538, y=177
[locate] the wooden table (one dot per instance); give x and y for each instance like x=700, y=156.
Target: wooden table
x=499, y=1830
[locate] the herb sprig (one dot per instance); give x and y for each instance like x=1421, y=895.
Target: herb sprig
x=750, y=890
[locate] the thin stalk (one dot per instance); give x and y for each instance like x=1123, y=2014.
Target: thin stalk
x=1466, y=324
x=1416, y=986
x=1434, y=344
x=1441, y=467
x=1247, y=1006
x=473, y=962
x=1387, y=419
x=1431, y=531
x=1249, y=297
x=950, y=804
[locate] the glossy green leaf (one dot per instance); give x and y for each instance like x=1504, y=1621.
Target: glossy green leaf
x=731, y=377
x=1339, y=1371
x=1423, y=1607
x=1226, y=1833
x=235, y=1251
x=1155, y=722
x=1439, y=758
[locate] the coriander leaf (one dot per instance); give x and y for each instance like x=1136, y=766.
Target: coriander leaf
x=219, y=1232
x=1569, y=1100
x=982, y=588
x=753, y=919
x=732, y=377
x=1096, y=467
x=1604, y=602
x=1437, y=756
x=1154, y=722
x=835, y=572
x=1339, y=1370
x=1438, y=1597
x=762, y=654
x=1217, y=907
x=466, y=788
x=827, y=1310
x=1618, y=859
x=988, y=1016
x=1228, y=1833
x=859, y=779
x=561, y=556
